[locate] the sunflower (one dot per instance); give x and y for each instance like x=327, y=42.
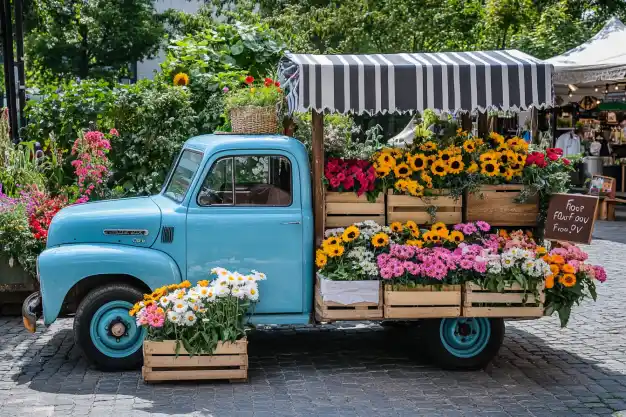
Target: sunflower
x=418, y=162
x=509, y=174
x=502, y=170
x=439, y=167
x=489, y=156
x=331, y=241
x=436, y=237
x=380, y=239
x=181, y=79
x=568, y=280
x=496, y=139
x=438, y=226
x=350, y=234
x=334, y=251
x=401, y=185
x=415, y=242
x=514, y=143
x=396, y=227
x=414, y=188
x=382, y=170
x=446, y=155
x=549, y=281
x=456, y=236
x=554, y=269
x=425, y=177
x=321, y=260
x=386, y=160
x=506, y=157
x=540, y=250
x=469, y=146
x=455, y=165
x=402, y=170
x=502, y=148
x=479, y=142
x=443, y=233
x=428, y=236
x=522, y=146
x=516, y=167
x=396, y=153
x=412, y=226
x=520, y=159
x=461, y=132
x=429, y=146
x=568, y=269
x=490, y=168
x=472, y=168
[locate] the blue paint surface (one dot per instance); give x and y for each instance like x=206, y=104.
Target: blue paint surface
x=465, y=337
x=99, y=330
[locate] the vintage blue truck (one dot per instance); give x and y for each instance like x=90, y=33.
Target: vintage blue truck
x=234, y=201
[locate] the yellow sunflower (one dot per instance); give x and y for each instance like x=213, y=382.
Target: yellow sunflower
x=502, y=148
x=439, y=167
x=479, y=141
x=496, y=139
x=568, y=280
x=396, y=227
x=489, y=156
x=428, y=236
x=412, y=226
x=490, y=168
x=520, y=159
x=568, y=269
x=401, y=185
x=469, y=146
x=331, y=241
x=437, y=237
x=446, y=155
x=438, y=226
x=386, y=160
x=506, y=157
x=414, y=188
x=396, y=153
x=415, y=242
x=428, y=146
x=350, y=234
x=380, y=239
x=455, y=165
x=418, y=162
x=402, y=170
x=456, y=236
x=334, y=250
x=321, y=259
x=382, y=170
x=472, y=168
x=517, y=168
x=509, y=174
x=425, y=177
x=181, y=79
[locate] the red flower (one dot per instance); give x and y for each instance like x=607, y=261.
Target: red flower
x=348, y=183
x=556, y=151
x=277, y=84
x=268, y=82
x=566, y=161
x=249, y=79
x=334, y=182
x=553, y=156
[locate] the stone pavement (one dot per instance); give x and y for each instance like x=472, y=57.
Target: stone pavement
x=355, y=370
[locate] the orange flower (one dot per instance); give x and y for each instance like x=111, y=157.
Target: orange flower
x=184, y=284
x=568, y=280
x=540, y=250
x=568, y=269
x=503, y=233
x=558, y=259
x=549, y=281
x=555, y=269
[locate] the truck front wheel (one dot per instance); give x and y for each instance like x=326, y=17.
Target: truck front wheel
x=464, y=343
x=107, y=335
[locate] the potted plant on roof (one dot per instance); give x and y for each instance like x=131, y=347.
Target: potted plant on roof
x=253, y=108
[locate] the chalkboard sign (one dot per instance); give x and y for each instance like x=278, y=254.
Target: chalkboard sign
x=571, y=217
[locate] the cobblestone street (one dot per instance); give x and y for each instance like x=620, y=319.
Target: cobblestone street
x=347, y=371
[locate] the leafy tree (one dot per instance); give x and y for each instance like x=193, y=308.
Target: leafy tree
x=90, y=38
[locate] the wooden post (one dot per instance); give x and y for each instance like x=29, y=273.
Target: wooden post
x=534, y=125
x=317, y=145
x=466, y=122
x=482, y=125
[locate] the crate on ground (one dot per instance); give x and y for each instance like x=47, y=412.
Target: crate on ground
x=344, y=209
x=328, y=311
x=512, y=302
x=423, y=301
x=160, y=362
x=446, y=209
x=496, y=205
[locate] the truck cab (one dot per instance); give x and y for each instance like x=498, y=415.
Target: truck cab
x=233, y=201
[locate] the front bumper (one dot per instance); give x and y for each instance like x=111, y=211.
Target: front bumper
x=31, y=311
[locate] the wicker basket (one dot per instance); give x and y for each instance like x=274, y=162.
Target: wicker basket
x=254, y=119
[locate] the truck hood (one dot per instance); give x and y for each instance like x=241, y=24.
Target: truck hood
x=128, y=221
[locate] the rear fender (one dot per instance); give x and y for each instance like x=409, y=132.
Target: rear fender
x=62, y=267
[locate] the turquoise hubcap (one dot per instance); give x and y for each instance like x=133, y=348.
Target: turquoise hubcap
x=465, y=337
x=114, y=332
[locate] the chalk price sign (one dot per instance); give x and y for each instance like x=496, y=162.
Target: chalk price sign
x=571, y=217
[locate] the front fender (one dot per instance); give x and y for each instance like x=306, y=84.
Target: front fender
x=60, y=268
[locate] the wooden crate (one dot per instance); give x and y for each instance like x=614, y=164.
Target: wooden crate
x=479, y=302
x=344, y=209
x=160, y=363
x=426, y=301
x=402, y=208
x=495, y=204
x=328, y=311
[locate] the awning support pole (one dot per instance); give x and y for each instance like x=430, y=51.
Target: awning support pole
x=317, y=145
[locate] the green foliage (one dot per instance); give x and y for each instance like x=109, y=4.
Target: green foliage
x=16, y=239
x=91, y=38
x=254, y=95
x=19, y=167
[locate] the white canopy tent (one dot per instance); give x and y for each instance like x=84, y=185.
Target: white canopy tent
x=589, y=67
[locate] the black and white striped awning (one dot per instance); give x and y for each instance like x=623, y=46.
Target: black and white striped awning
x=446, y=81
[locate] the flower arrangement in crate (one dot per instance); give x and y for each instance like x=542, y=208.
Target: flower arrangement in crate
x=570, y=281
x=253, y=108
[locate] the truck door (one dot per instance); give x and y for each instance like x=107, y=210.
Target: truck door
x=246, y=216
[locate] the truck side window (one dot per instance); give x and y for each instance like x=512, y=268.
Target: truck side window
x=258, y=181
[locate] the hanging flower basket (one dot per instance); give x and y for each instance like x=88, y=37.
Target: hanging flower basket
x=254, y=120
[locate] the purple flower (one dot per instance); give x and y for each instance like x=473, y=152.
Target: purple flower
x=484, y=226
x=225, y=89
x=469, y=229
x=459, y=226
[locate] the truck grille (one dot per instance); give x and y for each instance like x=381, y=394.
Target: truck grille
x=167, y=234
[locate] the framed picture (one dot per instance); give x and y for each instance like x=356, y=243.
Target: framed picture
x=611, y=117
x=601, y=185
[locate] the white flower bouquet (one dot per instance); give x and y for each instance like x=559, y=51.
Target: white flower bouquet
x=199, y=317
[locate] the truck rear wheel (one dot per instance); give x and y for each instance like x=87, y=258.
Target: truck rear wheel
x=107, y=335
x=464, y=343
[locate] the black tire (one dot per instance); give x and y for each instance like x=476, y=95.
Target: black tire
x=446, y=360
x=82, y=322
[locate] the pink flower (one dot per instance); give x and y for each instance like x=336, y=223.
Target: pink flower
x=484, y=226
x=600, y=273
x=469, y=229
x=480, y=267
x=466, y=263
x=114, y=132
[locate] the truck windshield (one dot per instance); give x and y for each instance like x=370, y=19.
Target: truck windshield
x=183, y=174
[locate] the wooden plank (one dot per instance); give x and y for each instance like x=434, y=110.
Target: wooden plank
x=407, y=200
x=188, y=375
x=333, y=311
x=344, y=221
x=503, y=311
x=422, y=298
x=514, y=286
x=424, y=217
x=335, y=197
x=496, y=205
x=355, y=208
x=421, y=312
x=167, y=347
x=506, y=298
x=195, y=361
x=508, y=187
x=317, y=150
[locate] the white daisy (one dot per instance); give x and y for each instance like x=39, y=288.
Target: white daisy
x=241, y=279
x=174, y=317
x=222, y=291
x=189, y=318
x=238, y=292
x=252, y=292
x=260, y=276
x=180, y=306
x=164, y=301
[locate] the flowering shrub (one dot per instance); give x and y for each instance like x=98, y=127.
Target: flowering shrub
x=91, y=165
x=256, y=94
x=201, y=316
x=40, y=209
x=571, y=280
x=351, y=175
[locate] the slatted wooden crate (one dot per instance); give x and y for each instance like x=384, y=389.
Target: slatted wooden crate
x=344, y=209
x=426, y=301
x=328, y=311
x=402, y=208
x=495, y=204
x=160, y=363
x=480, y=302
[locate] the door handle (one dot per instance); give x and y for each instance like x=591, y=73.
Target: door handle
x=290, y=223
